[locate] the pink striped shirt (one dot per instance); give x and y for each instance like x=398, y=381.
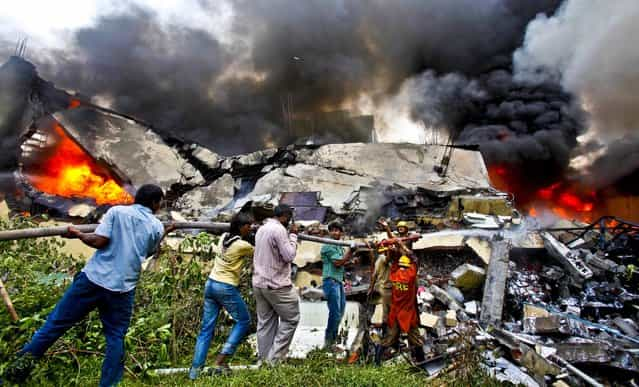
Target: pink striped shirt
x=275, y=249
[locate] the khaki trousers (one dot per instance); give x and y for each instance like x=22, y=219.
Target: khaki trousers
x=278, y=313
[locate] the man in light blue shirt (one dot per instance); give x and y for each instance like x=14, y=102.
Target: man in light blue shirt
x=126, y=236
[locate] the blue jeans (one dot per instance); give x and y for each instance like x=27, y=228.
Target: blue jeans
x=83, y=296
x=336, y=300
x=218, y=295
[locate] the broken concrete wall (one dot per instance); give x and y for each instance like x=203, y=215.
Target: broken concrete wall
x=131, y=149
x=340, y=172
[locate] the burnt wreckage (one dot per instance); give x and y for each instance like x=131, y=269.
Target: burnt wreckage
x=541, y=301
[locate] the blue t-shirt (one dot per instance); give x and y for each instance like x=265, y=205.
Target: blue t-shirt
x=133, y=234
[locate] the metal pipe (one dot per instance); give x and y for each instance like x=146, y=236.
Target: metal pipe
x=329, y=241
x=586, y=378
x=7, y=235
x=213, y=227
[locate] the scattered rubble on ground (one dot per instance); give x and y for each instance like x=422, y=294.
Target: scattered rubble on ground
x=537, y=319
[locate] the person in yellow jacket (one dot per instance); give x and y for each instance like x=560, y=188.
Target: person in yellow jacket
x=221, y=291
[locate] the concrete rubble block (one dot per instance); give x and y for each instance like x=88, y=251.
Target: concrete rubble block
x=429, y=320
x=545, y=325
x=451, y=318
x=480, y=246
x=505, y=371
x=471, y=308
x=455, y=238
x=476, y=220
x=455, y=293
x=492, y=304
x=535, y=363
x=585, y=352
x=337, y=188
x=425, y=297
x=132, y=150
x=569, y=259
x=442, y=296
x=627, y=326
x=207, y=157
x=248, y=160
x=213, y=196
x=274, y=182
x=468, y=276
x=534, y=311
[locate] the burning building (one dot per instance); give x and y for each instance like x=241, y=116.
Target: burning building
x=70, y=157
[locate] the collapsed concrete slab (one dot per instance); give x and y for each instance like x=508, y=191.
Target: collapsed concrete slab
x=468, y=276
x=136, y=153
x=406, y=164
x=584, y=351
x=207, y=157
x=455, y=239
x=210, y=198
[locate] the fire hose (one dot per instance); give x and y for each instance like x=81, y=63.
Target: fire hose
x=213, y=227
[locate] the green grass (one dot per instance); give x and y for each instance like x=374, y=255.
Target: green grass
x=304, y=374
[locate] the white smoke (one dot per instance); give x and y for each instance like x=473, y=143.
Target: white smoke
x=587, y=46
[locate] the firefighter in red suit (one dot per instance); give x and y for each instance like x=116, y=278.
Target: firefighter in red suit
x=403, y=317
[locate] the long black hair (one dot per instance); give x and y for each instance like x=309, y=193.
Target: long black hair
x=237, y=222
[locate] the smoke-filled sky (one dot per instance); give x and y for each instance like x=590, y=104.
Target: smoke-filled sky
x=216, y=72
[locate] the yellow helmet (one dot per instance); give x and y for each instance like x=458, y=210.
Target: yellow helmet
x=404, y=261
x=402, y=223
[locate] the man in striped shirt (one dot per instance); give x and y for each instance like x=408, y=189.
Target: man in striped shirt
x=277, y=302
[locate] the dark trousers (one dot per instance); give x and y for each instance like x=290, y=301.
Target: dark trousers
x=83, y=296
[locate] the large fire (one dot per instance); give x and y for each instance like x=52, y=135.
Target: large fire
x=561, y=198
x=68, y=171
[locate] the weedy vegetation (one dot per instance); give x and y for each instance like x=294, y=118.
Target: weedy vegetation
x=165, y=323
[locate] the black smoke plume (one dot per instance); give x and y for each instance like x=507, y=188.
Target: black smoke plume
x=321, y=54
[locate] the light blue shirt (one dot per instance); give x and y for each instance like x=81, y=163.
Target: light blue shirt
x=133, y=234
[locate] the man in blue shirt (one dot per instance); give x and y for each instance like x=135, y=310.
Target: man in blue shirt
x=126, y=236
x=334, y=260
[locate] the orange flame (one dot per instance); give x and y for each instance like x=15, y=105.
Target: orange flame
x=70, y=172
x=560, y=198
x=74, y=103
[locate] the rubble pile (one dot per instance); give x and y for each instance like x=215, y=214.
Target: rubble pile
x=535, y=319
x=556, y=326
